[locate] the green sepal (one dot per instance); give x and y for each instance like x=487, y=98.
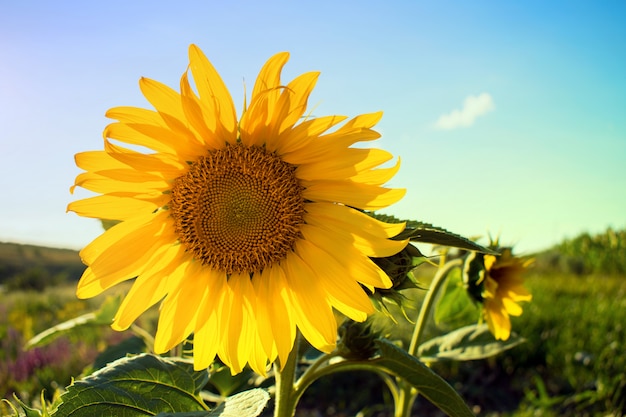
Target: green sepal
x=107, y=224
x=142, y=385
x=430, y=385
x=474, y=275
x=103, y=316
x=465, y=344
x=31, y=412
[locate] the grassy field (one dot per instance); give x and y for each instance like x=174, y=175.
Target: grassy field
x=573, y=362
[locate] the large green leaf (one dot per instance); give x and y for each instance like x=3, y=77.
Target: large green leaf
x=143, y=385
x=466, y=344
x=429, y=384
x=28, y=411
x=427, y=233
x=104, y=316
x=245, y=404
x=226, y=383
x=455, y=308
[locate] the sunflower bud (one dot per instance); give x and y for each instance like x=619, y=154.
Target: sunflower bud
x=474, y=275
x=357, y=340
x=398, y=267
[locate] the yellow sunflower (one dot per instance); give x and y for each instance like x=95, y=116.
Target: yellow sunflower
x=244, y=229
x=503, y=290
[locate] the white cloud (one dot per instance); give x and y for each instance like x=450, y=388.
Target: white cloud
x=473, y=107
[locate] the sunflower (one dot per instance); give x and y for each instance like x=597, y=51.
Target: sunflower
x=497, y=282
x=244, y=229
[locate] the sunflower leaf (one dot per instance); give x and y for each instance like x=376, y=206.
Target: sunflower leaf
x=466, y=344
x=429, y=384
x=28, y=411
x=245, y=404
x=142, y=385
x=454, y=307
x=103, y=316
x=427, y=233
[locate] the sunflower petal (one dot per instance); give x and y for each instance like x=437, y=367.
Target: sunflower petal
x=151, y=287
x=359, y=266
x=281, y=312
x=343, y=291
x=213, y=91
x=179, y=310
x=208, y=335
x=111, y=207
x=363, y=196
x=311, y=308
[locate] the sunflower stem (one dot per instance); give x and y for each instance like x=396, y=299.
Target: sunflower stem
x=429, y=301
x=144, y=335
x=405, y=399
x=407, y=394
x=286, y=400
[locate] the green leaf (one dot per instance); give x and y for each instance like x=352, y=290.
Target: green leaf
x=454, y=307
x=429, y=384
x=28, y=411
x=104, y=316
x=245, y=404
x=143, y=385
x=427, y=233
x=465, y=344
x=225, y=383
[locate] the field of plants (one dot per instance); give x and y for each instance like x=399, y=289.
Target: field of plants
x=572, y=363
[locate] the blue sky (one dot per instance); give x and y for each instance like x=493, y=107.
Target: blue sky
x=509, y=117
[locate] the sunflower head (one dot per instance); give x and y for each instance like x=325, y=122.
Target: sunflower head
x=245, y=228
x=496, y=281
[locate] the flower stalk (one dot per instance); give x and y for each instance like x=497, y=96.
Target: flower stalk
x=286, y=400
x=407, y=394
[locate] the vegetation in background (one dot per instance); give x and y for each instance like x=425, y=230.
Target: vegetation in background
x=572, y=363
x=603, y=253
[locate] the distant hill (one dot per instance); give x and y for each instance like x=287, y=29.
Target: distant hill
x=36, y=267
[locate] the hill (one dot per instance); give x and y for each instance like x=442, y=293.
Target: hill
x=36, y=267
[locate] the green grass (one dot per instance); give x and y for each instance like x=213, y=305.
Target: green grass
x=576, y=337
x=573, y=361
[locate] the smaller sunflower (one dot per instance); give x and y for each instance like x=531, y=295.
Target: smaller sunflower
x=498, y=283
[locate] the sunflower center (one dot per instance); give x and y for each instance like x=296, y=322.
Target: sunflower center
x=238, y=209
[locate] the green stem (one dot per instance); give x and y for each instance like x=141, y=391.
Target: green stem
x=309, y=373
x=405, y=400
x=343, y=366
x=407, y=393
x=428, y=303
x=286, y=400
x=145, y=335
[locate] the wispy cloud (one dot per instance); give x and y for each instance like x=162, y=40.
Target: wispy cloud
x=473, y=107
